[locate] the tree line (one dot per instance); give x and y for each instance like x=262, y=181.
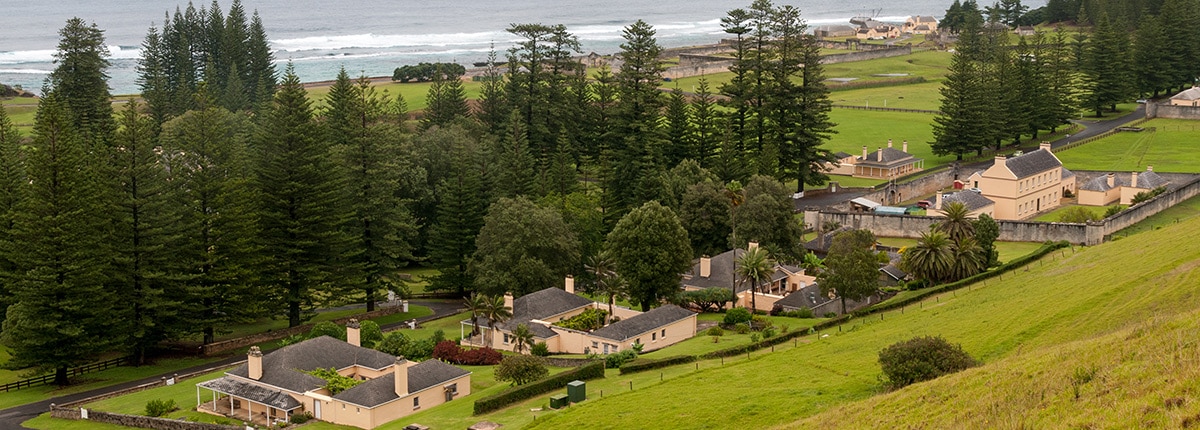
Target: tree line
x=996, y=91
x=180, y=217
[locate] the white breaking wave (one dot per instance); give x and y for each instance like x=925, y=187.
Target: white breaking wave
x=25, y=71
x=115, y=52
x=376, y=41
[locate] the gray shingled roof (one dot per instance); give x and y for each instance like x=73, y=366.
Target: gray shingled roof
x=1067, y=173
x=721, y=272
x=540, y=305
x=925, y=18
x=1188, y=94
x=1032, y=163
x=840, y=155
x=1150, y=180
x=972, y=200
x=808, y=297
x=285, y=367
x=426, y=374
x=1100, y=183
x=891, y=157
x=256, y=393
x=642, y=323
x=893, y=271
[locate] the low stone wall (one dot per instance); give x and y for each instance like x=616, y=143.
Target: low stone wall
x=851, y=45
x=888, y=51
x=1156, y=110
x=1137, y=213
x=892, y=194
x=715, y=48
x=138, y=421
x=710, y=68
x=254, y=339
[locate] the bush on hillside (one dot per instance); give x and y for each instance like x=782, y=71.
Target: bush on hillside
x=716, y=331
x=328, y=328
x=540, y=349
x=158, y=408
x=369, y=334
x=1077, y=214
x=521, y=369
x=922, y=358
x=737, y=316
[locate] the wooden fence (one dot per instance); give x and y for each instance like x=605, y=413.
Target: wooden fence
x=46, y=379
x=887, y=109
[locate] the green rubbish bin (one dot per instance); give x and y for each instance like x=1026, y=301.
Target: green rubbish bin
x=577, y=391
x=558, y=401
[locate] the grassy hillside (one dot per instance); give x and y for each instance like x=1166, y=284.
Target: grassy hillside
x=1067, y=297
x=1169, y=149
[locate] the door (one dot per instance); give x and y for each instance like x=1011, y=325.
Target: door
x=317, y=409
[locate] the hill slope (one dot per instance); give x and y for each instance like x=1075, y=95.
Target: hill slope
x=1067, y=297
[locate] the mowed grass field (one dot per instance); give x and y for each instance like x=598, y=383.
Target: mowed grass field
x=1069, y=296
x=1172, y=148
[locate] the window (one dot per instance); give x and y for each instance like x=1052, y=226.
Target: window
x=507, y=339
x=452, y=388
x=653, y=336
x=664, y=333
x=416, y=403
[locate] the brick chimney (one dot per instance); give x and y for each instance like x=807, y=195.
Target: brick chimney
x=705, y=266
x=254, y=363
x=1133, y=179
x=353, y=336
x=1000, y=160
x=508, y=300
x=889, y=143
x=1149, y=168
x=905, y=147
x=937, y=201
x=1045, y=145
x=570, y=284
x=400, y=372
x=751, y=245
x=879, y=155
x=864, y=152
x=1111, y=179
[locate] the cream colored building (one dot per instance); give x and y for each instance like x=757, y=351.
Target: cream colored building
x=883, y=163
x=719, y=272
x=540, y=310
x=1024, y=185
x=1189, y=97
x=920, y=24
x=1111, y=188
x=975, y=203
x=271, y=388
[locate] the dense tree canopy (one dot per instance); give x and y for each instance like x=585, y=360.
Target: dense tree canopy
x=651, y=250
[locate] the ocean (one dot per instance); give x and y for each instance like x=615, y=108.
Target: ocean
x=373, y=37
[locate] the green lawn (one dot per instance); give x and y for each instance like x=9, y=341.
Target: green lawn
x=21, y=111
x=858, y=128
x=1008, y=250
x=414, y=93
x=1069, y=296
x=1170, y=149
x=1056, y=215
x=931, y=65
x=420, y=277
x=924, y=96
x=92, y=381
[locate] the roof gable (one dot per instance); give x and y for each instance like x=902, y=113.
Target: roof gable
x=1032, y=163
x=421, y=376
x=285, y=367
x=642, y=323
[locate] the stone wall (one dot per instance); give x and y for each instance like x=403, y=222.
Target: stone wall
x=716, y=48
x=892, y=194
x=138, y=421
x=889, y=51
x=710, y=68
x=1156, y=110
x=254, y=339
x=852, y=45
x=1137, y=213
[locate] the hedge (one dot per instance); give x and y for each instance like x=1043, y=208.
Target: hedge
x=516, y=394
x=642, y=365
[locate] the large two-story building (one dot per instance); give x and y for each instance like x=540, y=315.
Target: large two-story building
x=1024, y=185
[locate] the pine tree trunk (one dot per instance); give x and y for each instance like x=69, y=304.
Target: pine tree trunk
x=370, y=298
x=60, y=376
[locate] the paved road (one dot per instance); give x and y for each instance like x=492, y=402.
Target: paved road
x=12, y=418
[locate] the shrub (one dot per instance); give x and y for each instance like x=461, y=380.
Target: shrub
x=590, y=319
x=736, y=316
x=480, y=357
x=334, y=381
x=158, y=408
x=301, y=418
x=521, y=369
x=742, y=328
x=540, y=349
x=776, y=310
x=760, y=323
x=615, y=360
x=831, y=315
x=1113, y=210
x=716, y=331
x=921, y=359
x=523, y=392
x=394, y=343
x=1077, y=214
x=369, y=334
x=708, y=299
x=447, y=351
x=419, y=350
x=328, y=328
x=643, y=365
x=755, y=337
x=438, y=336
x=768, y=332
x=799, y=313
x=1147, y=195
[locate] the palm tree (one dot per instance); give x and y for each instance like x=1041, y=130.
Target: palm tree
x=968, y=259
x=956, y=225
x=495, y=311
x=603, y=269
x=931, y=258
x=523, y=338
x=737, y=196
x=812, y=264
x=476, y=304
x=756, y=266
